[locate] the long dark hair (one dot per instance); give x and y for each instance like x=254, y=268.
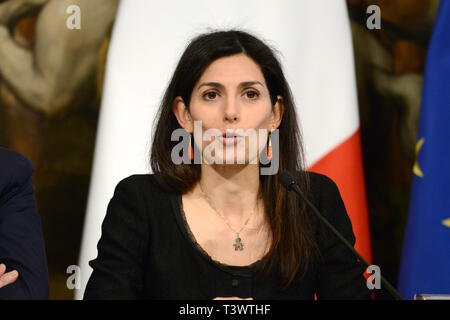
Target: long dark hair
x=294, y=249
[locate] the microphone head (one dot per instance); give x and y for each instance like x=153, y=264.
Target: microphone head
x=287, y=180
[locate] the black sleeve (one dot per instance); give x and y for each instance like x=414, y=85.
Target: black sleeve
x=118, y=268
x=341, y=274
x=21, y=240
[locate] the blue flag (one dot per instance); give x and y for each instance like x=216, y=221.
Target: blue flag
x=425, y=264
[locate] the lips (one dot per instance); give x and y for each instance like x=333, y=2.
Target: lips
x=229, y=138
x=230, y=135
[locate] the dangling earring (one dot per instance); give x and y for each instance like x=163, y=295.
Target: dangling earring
x=269, y=146
x=191, y=148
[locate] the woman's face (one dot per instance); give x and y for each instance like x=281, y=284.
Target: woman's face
x=231, y=94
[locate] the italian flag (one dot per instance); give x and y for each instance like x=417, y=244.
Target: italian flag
x=328, y=109
x=315, y=42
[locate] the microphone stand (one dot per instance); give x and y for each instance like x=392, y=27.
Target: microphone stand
x=288, y=181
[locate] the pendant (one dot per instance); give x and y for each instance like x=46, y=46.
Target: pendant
x=238, y=245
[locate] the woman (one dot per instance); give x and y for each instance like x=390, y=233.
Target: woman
x=213, y=230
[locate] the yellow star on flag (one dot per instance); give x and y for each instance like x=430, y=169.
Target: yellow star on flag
x=416, y=168
x=446, y=222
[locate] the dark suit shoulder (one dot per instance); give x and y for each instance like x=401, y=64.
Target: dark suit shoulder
x=15, y=169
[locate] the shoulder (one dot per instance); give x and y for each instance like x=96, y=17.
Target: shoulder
x=327, y=198
x=15, y=170
x=319, y=180
x=146, y=181
x=142, y=186
x=325, y=195
x=137, y=203
x=322, y=187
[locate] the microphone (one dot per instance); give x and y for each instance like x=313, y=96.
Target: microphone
x=288, y=181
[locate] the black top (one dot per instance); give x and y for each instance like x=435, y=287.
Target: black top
x=147, y=251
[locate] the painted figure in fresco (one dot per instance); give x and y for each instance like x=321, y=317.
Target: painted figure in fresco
x=45, y=66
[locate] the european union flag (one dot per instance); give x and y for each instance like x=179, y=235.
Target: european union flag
x=425, y=264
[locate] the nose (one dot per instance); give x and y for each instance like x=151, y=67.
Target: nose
x=231, y=113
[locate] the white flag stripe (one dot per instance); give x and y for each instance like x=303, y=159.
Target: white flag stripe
x=313, y=37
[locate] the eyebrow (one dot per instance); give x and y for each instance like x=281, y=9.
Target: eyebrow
x=221, y=86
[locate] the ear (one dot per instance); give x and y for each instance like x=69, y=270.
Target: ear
x=277, y=113
x=182, y=114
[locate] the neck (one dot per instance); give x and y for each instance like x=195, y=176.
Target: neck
x=233, y=189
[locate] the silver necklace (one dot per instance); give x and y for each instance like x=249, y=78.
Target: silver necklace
x=238, y=244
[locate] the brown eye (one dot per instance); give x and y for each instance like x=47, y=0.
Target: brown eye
x=210, y=95
x=253, y=95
